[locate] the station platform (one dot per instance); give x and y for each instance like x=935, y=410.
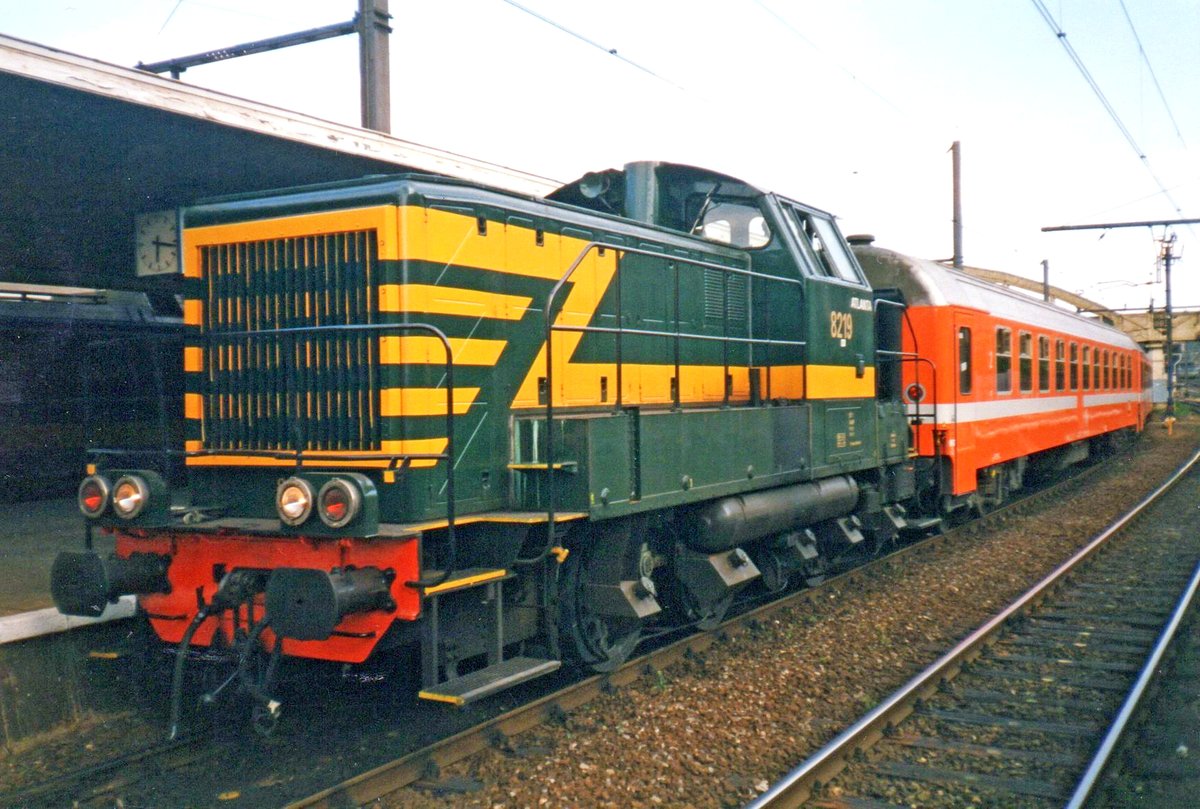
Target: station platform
x=31, y=535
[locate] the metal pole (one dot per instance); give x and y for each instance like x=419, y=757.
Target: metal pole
x=374, y=67
x=956, y=160
x=1046, y=280
x=1167, y=258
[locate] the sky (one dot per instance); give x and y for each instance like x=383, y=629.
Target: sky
x=848, y=106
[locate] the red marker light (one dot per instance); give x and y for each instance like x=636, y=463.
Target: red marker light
x=339, y=501
x=93, y=496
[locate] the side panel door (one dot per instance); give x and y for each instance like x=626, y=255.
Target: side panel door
x=964, y=381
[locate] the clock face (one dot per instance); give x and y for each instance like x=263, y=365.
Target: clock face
x=156, y=242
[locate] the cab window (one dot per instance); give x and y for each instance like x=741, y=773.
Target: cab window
x=822, y=246
x=733, y=223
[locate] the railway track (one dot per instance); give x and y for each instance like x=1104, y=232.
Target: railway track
x=1019, y=713
x=425, y=767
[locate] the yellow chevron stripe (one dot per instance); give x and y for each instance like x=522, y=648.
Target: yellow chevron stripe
x=423, y=401
x=436, y=300
x=426, y=350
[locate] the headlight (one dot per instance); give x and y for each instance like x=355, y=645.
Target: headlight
x=93, y=496
x=339, y=502
x=130, y=496
x=294, y=501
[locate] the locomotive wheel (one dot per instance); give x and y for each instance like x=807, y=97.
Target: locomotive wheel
x=600, y=642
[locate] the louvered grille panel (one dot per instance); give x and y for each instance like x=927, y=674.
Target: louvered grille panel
x=721, y=290
x=316, y=391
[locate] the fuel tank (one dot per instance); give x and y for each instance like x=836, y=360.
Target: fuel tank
x=733, y=521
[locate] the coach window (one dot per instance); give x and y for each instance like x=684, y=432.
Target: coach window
x=1003, y=360
x=1105, y=365
x=964, y=359
x=1026, y=369
x=1096, y=369
x=1087, y=370
x=1043, y=363
x=1074, y=366
x=1060, y=365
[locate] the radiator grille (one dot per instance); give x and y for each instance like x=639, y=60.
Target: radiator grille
x=278, y=392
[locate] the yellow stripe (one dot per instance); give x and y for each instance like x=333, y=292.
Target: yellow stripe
x=782, y=381
x=193, y=359
x=426, y=350
x=840, y=382
x=412, y=446
x=193, y=406
x=444, y=237
x=580, y=384
x=466, y=581
x=423, y=401
x=503, y=517
x=381, y=218
x=193, y=312
x=436, y=697
x=428, y=299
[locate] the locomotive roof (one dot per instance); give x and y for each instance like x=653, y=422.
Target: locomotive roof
x=928, y=283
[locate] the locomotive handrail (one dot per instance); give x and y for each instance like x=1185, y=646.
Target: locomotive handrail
x=673, y=262
x=915, y=357
x=405, y=458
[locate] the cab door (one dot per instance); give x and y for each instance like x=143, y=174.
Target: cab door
x=840, y=336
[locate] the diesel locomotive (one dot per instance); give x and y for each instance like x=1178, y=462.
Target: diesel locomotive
x=496, y=433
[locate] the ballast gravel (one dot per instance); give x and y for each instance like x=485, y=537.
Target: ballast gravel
x=717, y=731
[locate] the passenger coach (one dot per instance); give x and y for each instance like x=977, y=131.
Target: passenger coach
x=1003, y=386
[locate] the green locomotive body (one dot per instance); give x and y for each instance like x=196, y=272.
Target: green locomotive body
x=503, y=430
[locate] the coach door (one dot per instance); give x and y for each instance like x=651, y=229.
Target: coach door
x=969, y=355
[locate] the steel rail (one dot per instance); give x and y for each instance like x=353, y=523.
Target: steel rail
x=419, y=765
x=797, y=786
x=1091, y=778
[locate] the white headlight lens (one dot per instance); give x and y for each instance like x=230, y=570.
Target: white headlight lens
x=294, y=501
x=130, y=496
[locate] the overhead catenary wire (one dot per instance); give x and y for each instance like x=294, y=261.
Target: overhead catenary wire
x=1108, y=107
x=854, y=76
x=1153, y=76
x=592, y=42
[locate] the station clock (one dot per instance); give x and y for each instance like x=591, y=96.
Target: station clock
x=156, y=242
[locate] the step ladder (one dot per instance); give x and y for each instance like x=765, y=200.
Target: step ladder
x=499, y=673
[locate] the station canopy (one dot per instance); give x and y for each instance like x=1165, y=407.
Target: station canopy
x=88, y=145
